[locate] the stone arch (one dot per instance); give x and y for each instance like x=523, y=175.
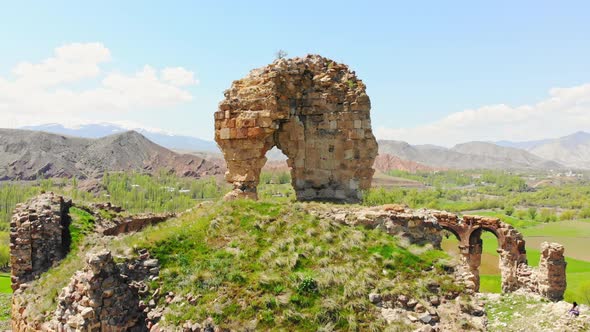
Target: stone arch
x=316, y=111
x=453, y=231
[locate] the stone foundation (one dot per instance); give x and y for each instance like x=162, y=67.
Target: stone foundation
x=316, y=111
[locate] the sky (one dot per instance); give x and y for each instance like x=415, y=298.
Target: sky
x=436, y=72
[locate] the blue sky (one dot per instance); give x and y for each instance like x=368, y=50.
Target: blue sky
x=436, y=72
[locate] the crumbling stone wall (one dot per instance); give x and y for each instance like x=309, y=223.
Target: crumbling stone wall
x=122, y=223
x=98, y=298
x=548, y=279
x=39, y=236
x=551, y=272
x=426, y=226
x=316, y=111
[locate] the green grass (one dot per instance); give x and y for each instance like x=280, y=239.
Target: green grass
x=5, y=311
x=82, y=224
x=5, y=283
x=278, y=265
x=490, y=283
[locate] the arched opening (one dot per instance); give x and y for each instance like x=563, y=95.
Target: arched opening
x=313, y=109
x=450, y=242
x=275, y=177
x=490, y=278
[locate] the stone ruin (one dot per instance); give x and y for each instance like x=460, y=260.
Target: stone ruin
x=39, y=236
x=316, y=111
x=38, y=240
x=426, y=226
x=97, y=297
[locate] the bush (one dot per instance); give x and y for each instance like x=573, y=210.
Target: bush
x=508, y=210
x=547, y=215
x=585, y=212
x=532, y=213
x=521, y=214
x=567, y=215
x=308, y=285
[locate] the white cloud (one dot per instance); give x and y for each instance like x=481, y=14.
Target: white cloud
x=71, y=87
x=178, y=76
x=71, y=63
x=565, y=111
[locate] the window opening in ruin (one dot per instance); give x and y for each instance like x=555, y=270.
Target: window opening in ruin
x=275, y=177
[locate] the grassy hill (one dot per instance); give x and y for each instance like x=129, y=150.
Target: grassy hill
x=267, y=265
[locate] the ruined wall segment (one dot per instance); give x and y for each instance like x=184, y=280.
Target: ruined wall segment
x=39, y=236
x=425, y=226
x=550, y=275
x=316, y=111
x=98, y=298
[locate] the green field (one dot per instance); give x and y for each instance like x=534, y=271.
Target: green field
x=5, y=283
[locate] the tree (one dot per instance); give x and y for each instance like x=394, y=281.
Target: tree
x=280, y=54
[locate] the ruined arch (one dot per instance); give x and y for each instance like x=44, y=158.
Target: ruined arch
x=316, y=111
x=453, y=231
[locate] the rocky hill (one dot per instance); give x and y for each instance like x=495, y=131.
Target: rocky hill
x=467, y=156
x=571, y=150
x=27, y=155
x=387, y=162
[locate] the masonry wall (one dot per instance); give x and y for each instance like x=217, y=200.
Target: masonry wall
x=39, y=236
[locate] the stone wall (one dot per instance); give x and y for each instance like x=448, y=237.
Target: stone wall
x=98, y=298
x=316, y=111
x=548, y=279
x=426, y=226
x=39, y=236
x=551, y=272
x=103, y=296
x=120, y=221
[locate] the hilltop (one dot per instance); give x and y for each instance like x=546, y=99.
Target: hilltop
x=28, y=155
x=471, y=155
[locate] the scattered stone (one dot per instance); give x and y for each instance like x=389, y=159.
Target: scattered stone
x=426, y=319
x=374, y=298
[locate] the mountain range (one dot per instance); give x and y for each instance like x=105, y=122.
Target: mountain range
x=26, y=155
x=98, y=130
x=571, y=151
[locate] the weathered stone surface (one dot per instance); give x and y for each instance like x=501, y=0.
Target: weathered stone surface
x=313, y=109
x=100, y=282
x=39, y=236
x=551, y=273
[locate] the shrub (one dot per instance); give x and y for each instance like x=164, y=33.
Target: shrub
x=508, y=210
x=585, y=212
x=547, y=215
x=567, y=215
x=308, y=285
x=521, y=214
x=532, y=213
